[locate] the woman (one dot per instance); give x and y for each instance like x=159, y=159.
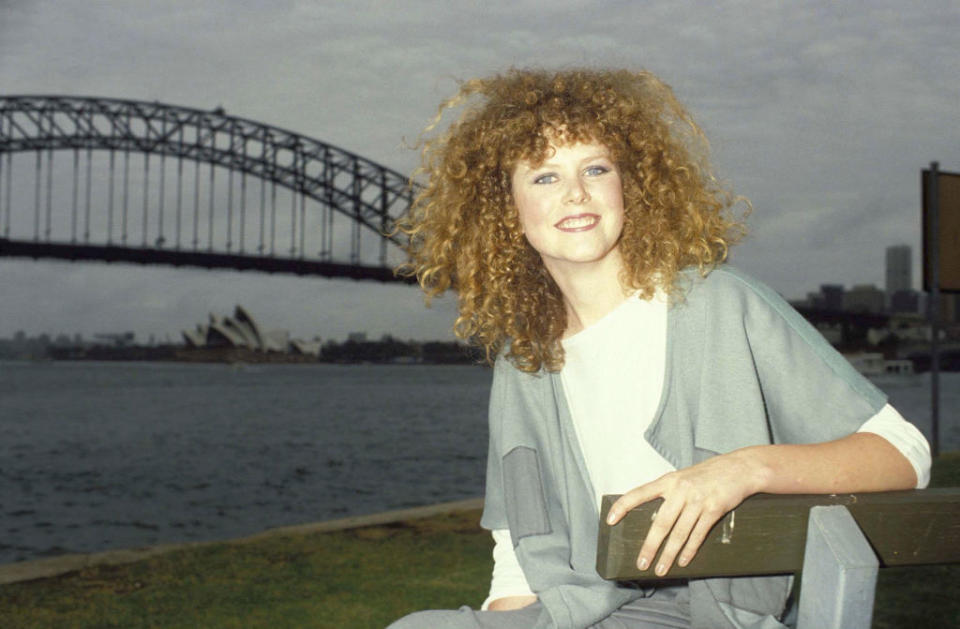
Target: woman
x=577, y=218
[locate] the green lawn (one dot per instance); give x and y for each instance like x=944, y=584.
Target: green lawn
x=356, y=578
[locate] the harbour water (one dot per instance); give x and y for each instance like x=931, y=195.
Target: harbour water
x=97, y=456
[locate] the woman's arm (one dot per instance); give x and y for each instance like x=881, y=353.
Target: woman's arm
x=511, y=602
x=695, y=498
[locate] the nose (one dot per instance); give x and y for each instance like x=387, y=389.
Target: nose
x=576, y=192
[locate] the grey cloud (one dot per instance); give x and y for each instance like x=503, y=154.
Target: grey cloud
x=822, y=113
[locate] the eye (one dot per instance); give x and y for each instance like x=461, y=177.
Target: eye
x=546, y=178
x=594, y=171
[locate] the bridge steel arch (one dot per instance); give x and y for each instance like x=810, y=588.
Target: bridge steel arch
x=370, y=195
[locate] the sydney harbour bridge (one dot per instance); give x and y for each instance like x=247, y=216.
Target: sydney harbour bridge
x=86, y=178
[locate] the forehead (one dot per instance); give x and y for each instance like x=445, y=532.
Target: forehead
x=537, y=146
x=564, y=151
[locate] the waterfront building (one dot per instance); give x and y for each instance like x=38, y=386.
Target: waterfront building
x=904, y=302
x=949, y=308
x=864, y=298
x=241, y=331
x=832, y=297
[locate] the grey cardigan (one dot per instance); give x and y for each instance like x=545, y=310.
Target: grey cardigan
x=742, y=368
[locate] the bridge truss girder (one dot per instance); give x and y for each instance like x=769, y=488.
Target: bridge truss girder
x=369, y=194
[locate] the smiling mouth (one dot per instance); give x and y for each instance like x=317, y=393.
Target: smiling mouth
x=580, y=222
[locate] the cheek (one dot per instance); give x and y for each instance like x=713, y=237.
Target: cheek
x=613, y=199
x=614, y=194
x=528, y=211
x=530, y=220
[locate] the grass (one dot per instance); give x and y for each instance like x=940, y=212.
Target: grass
x=357, y=578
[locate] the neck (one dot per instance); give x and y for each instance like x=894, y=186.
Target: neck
x=589, y=291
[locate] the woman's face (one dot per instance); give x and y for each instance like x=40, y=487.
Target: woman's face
x=571, y=206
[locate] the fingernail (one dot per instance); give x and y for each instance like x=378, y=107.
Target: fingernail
x=661, y=570
x=611, y=517
x=683, y=561
x=642, y=564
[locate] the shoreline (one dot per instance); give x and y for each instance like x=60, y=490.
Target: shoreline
x=34, y=569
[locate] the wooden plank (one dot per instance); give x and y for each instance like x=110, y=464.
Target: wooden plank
x=766, y=534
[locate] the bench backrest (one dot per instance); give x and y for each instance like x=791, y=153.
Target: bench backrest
x=767, y=534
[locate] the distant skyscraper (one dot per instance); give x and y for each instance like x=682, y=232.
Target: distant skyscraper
x=899, y=273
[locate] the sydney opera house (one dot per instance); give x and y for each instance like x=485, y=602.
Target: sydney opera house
x=242, y=332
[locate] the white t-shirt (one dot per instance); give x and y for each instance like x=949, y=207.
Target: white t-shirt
x=613, y=376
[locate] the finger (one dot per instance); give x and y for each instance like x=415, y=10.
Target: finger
x=678, y=537
x=630, y=500
x=663, y=522
x=697, y=536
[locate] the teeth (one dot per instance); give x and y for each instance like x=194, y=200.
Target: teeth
x=579, y=221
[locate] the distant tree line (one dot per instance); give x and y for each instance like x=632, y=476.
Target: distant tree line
x=386, y=350
x=391, y=350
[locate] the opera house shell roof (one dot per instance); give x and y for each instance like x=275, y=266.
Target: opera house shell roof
x=242, y=331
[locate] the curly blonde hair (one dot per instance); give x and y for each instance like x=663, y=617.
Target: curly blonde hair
x=464, y=228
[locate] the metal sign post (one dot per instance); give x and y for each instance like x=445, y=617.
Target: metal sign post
x=933, y=219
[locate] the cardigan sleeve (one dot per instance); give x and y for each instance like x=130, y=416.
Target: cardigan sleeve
x=750, y=370
x=494, y=510
x=812, y=393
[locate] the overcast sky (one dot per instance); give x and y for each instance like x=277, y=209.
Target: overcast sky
x=821, y=113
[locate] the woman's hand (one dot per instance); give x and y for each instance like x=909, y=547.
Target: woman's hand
x=694, y=499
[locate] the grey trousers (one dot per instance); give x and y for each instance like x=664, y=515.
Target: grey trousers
x=666, y=609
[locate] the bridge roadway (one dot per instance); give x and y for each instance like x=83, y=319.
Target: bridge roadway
x=211, y=260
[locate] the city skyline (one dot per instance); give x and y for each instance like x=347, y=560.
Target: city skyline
x=445, y=302
x=886, y=288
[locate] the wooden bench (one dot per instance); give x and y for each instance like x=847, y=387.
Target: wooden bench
x=836, y=542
